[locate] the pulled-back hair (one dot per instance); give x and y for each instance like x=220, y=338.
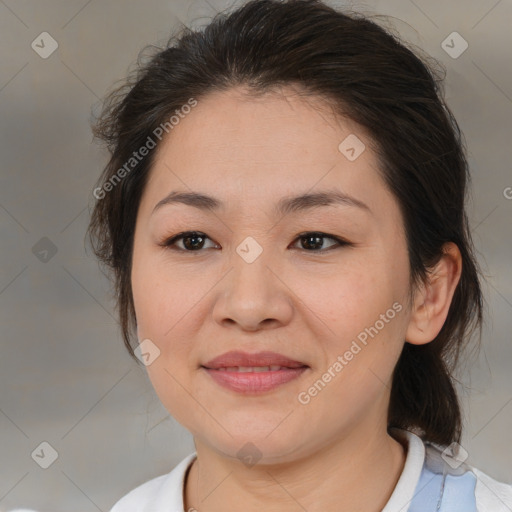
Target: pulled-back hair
x=367, y=75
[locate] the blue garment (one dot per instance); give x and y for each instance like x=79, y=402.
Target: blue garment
x=442, y=488
x=443, y=481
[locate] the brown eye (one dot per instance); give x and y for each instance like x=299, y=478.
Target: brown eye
x=314, y=241
x=193, y=241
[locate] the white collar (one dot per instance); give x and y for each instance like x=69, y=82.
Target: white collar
x=167, y=490
x=406, y=485
x=165, y=493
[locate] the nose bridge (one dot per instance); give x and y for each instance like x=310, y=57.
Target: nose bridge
x=249, y=250
x=253, y=292
x=251, y=277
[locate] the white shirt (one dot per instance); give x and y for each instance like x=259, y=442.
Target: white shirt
x=432, y=481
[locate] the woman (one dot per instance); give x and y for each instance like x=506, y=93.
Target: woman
x=283, y=215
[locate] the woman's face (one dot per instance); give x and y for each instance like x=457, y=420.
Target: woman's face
x=250, y=283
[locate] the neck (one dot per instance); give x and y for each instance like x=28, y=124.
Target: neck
x=357, y=473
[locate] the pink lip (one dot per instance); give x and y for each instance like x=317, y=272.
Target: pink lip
x=238, y=358
x=253, y=382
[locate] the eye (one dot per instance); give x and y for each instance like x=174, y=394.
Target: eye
x=313, y=241
x=193, y=241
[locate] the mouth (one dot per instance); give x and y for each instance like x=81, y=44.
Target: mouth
x=254, y=380
x=251, y=374
x=237, y=359
x=248, y=369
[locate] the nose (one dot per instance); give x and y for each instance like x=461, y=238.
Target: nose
x=254, y=296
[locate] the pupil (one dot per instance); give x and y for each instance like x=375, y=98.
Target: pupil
x=317, y=243
x=193, y=237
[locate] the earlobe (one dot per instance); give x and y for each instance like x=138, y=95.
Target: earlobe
x=433, y=298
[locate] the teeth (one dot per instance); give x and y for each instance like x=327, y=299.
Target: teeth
x=245, y=369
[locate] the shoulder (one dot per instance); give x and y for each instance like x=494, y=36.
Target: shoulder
x=161, y=491
x=492, y=495
x=439, y=478
x=140, y=496
x=466, y=482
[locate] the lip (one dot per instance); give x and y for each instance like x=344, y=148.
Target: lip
x=253, y=382
x=239, y=358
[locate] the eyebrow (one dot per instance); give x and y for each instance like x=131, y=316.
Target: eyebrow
x=284, y=206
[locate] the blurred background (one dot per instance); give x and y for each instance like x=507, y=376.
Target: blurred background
x=71, y=399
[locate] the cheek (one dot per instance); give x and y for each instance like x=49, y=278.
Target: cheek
x=166, y=310
x=172, y=388
x=166, y=317
x=347, y=299
x=162, y=295
x=358, y=312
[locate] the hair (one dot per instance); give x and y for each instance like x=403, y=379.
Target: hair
x=368, y=75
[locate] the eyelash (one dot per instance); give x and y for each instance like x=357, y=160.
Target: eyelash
x=170, y=242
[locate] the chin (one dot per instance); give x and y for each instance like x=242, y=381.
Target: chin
x=259, y=444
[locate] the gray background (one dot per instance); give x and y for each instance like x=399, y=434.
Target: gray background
x=65, y=377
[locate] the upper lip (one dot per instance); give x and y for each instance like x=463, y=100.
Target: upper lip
x=239, y=358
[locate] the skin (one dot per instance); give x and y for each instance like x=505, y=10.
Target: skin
x=333, y=453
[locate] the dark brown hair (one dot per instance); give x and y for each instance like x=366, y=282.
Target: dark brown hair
x=368, y=75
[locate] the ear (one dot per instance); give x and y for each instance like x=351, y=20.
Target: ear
x=432, y=300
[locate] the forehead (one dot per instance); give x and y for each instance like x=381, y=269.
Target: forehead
x=284, y=124
x=275, y=144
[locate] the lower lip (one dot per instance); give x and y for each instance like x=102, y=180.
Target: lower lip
x=254, y=382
